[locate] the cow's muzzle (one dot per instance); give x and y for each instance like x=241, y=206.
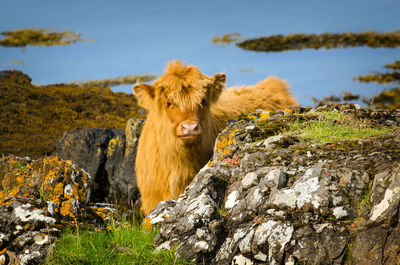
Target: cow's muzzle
x=189, y=129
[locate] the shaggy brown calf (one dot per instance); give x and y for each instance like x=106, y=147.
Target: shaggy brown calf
x=186, y=111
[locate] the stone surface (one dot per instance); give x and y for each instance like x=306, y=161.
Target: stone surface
x=109, y=156
x=270, y=198
x=38, y=198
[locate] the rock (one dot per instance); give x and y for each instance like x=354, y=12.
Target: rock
x=109, y=156
x=38, y=198
x=88, y=149
x=120, y=165
x=270, y=198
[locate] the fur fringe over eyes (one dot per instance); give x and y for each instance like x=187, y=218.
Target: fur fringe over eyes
x=184, y=85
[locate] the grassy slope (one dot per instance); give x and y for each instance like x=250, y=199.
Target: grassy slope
x=34, y=117
x=120, y=244
x=333, y=126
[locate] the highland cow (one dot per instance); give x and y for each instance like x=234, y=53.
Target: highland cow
x=186, y=111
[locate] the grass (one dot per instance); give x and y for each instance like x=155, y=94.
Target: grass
x=332, y=127
x=120, y=244
x=21, y=167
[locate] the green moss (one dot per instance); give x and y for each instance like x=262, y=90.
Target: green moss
x=223, y=211
x=268, y=160
x=20, y=166
x=363, y=204
x=347, y=255
x=333, y=126
x=271, y=127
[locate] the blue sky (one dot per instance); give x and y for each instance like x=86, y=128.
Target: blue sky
x=139, y=37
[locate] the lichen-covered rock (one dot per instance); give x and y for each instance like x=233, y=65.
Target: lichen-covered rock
x=271, y=197
x=37, y=199
x=120, y=165
x=109, y=156
x=88, y=149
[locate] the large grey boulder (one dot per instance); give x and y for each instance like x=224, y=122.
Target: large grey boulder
x=270, y=198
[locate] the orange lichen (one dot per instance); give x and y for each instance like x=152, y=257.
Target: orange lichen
x=68, y=209
x=224, y=142
x=49, y=179
x=264, y=116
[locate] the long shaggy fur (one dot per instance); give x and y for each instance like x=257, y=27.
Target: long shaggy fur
x=165, y=166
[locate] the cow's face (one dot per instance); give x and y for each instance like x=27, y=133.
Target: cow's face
x=184, y=105
x=187, y=123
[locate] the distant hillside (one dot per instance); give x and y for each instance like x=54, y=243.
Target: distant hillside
x=34, y=117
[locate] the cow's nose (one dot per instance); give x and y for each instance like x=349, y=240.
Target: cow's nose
x=189, y=128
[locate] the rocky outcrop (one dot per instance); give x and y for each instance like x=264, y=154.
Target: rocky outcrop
x=268, y=197
x=38, y=198
x=109, y=156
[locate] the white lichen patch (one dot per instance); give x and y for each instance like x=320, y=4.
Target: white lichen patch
x=241, y=260
x=391, y=195
x=277, y=177
x=40, y=239
x=68, y=190
x=203, y=206
x=269, y=142
x=51, y=207
x=277, y=234
x=2, y=237
x=239, y=234
x=257, y=195
x=339, y=212
x=201, y=246
x=305, y=190
x=25, y=214
x=320, y=227
x=261, y=256
x=164, y=246
x=249, y=180
x=245, y=244
x=285, y=197
x=203, y=234
x=26, y=258
x=157, y=220
x=337, y=200
x=223, y=252
x=232, y=200
x=276, y=213
x=305, y=187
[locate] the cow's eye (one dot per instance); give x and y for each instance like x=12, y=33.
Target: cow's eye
x=204, y=102
x=169, y=104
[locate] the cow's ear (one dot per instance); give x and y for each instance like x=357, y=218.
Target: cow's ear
x=219, y=84
x=145, y=95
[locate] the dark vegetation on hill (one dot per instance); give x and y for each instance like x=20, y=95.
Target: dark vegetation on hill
x=38, y=37
x=34, y=117
x=299, y=41
x=387, y=99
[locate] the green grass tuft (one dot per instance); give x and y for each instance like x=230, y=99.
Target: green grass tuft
x=120, y=244
x=332, y=127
